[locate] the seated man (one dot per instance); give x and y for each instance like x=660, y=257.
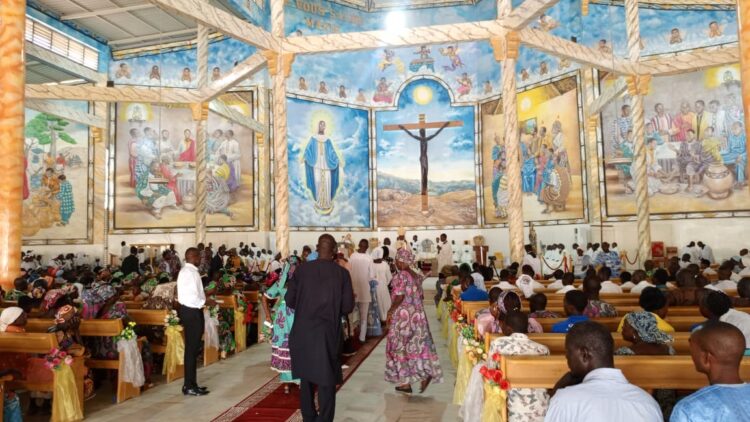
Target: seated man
x=526, y=282
x=574, y=304
x=725, y=281
x=655, y=301
x=505, y=283
x=716, y=349
x=596, y=308
x=470, y=292
x=706, y=268
x=608, y=286
x=594, y=390
x=557, y=276
x=641, y=280
x=743, y=293
x=717, y=305
x=567, y=284
x=524, y=404
x=538, y=305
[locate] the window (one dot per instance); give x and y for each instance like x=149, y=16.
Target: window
x=59, y=43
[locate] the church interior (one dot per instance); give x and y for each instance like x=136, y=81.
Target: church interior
x=480, y=136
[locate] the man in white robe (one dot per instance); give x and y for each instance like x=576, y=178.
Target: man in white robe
x=230, y=148
x=445, y=253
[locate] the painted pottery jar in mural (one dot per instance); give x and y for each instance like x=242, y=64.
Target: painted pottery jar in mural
x=718, y=179
x=188, y=202
x=30, y=222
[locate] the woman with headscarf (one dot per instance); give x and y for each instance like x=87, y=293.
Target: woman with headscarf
x=410, y=351
x=642, y=331
x=281, y=318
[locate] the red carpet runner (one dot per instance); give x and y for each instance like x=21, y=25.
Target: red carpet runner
x=270, y=404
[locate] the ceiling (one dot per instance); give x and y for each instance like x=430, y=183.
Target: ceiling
x=38, y=72
x=381, y=5
x=123, y=24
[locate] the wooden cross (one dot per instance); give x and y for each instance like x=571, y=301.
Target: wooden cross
x=422, y=137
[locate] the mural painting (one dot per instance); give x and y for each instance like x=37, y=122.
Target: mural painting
x=57, y=180
x=551, y=169
x=695, y=144
x=329, y=165
x=425, y=159
x=155, y=167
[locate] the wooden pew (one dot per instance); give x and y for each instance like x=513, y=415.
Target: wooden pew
x=39, y=344
x=673, y=311
x=469, y=309
x=96, y=328
x=680, y=323
x=156, y=318
x=647, y=372
x=556, y=342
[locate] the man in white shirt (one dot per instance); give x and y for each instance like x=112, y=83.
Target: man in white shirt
x=594, y=390
x=191, y=297
x=124, y=250
x=706, y=268
x=717, y=305
x=445, y=253
x=363, y=270
x=725, y=281
x=532, y=260
x=608, y=286
x=706, y=252
x=476, y=275
x=526, y=282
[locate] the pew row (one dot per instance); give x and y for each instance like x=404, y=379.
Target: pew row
x=154, y=317
x=39, y=344
x=556, y=342
x=96, y=328
x=680, y=323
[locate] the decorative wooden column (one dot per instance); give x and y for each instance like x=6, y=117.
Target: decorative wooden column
x=12, y=86
x=743, y=18
x=592, y=156
x=637, y=88
x=279, y=66
x=264, y=164
x=200, y=114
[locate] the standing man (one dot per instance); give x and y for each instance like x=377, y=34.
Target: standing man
x=363, y=270
x=131, y=263
x=192, y=298
x=217, y=262
x=124, y=250
x=445, y=253
x=320, y=292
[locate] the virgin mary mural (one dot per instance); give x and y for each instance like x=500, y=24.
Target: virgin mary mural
x=322, y=169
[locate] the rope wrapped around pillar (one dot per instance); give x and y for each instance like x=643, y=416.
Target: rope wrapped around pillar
x=637, y=88
x=12, y=81
x=201, y=167
x=592, y=156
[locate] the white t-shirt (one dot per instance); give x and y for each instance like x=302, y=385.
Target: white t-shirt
x=610, y=287
x=640, y=286
x=564, y=290
x=534, y=263
x=723, y=285
x=739, y=319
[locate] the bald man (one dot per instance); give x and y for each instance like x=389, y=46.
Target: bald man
x=717, y=349
x=320, y=292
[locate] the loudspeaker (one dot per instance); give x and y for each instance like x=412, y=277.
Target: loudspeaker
x=574, y=39
x=110, y=84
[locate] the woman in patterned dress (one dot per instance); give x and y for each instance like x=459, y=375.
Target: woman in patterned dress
x=410, y=351
x=282, y=321
x=65, y=197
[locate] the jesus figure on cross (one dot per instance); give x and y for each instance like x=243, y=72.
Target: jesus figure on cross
x=422, y=137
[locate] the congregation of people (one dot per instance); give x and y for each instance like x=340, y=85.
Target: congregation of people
x=318, y=308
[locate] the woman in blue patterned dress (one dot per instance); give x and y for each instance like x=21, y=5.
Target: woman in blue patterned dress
x=410, y=351
x=282, y=320
x=65, y=197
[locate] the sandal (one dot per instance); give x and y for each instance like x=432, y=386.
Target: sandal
x=425, y=383
x=404, y=389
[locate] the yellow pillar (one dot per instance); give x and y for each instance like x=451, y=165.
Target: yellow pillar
x=12, y=85
x=200, y=115
x=743, y=17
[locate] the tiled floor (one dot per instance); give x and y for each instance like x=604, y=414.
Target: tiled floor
x=365, y=397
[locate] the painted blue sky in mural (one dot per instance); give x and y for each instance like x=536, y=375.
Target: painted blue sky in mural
x=348, y=130
x=223, y=54
x=451, y=154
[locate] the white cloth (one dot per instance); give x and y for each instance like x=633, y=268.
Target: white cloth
x=479, y=281
x=190, y=287
x=445, y=256
x=557, y=284
x=376, y=253
x=628, y=285
x=609, y=286
x=132, y=362
x=707, y=253
x=275, y=265
x=363, y=270
x=640, y=286
x=739, y=319
x=9, y=316
x=211, y=330
x=723, y=285
x=746, y=260
x=709, y=271
x=565, y=289
x=383, y=276
x=504, y=285
x=527, y=285
x=534, y=263
x=604, y=395
x=471, y=410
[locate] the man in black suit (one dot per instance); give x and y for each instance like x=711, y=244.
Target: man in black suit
x=130, y=264
x=217, y=262
x=320, y=292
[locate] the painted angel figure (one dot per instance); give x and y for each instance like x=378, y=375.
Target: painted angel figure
x=451, y=52
x=390, y=59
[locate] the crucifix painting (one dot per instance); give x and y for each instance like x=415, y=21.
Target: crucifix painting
x=423, y=139
x=426, y=162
